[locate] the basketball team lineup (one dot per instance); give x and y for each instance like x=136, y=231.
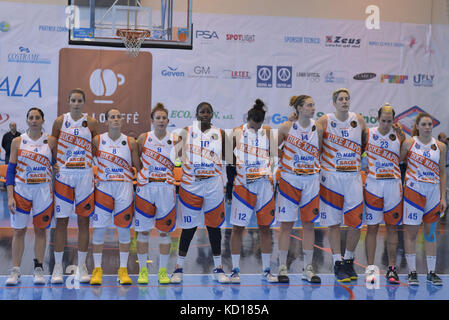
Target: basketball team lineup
x=333, y=170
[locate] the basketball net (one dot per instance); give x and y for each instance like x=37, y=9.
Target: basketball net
x=133, y=39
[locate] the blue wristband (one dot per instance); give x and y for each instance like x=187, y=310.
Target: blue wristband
x=11, y=174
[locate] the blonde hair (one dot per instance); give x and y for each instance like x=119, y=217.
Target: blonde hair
x=337, y=92
x=415, y=131
x=296, y=101
x=386, y=108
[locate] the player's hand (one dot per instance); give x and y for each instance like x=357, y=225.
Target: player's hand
x=12, y=205
x=293, y=117
x=443, y=207
x=397, y=127
x=56, y=168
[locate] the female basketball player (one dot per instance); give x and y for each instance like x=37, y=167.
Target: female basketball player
x=201, y=195
x=253, y=191
x=341, y=189
x=383, y=190
x=299, y=186
x=74, y=184
x=155, y=193
x=30, y=191
x=114, y=194
x=424, y=194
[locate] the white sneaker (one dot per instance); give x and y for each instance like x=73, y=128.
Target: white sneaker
x=283, y=274
x=82, y=275
x=176, y=276
x=14, y=277
x=39, y=276
x=267, y=276
x=220, y=276
x=370, y=274
x=310, y=275
x=56, y=277
x=235, y=275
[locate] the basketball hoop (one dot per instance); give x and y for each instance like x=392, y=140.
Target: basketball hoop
x=133, y=39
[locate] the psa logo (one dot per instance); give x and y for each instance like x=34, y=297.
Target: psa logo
x=407, y=118
x=283, y=76
x=340, y=42
x=391, y=78
x=206, y=34
x=423, y=80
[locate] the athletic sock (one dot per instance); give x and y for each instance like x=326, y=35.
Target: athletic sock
x=180, y=261
x=124, y=259
x=283, y=257
x=266, y=261
x=81, y=258
x=58, y=257
x=217, y=261
x=349, y=255
x=336, y=257
x=163, y=260
x=142, y=258
x=97, y=260
x=411, y=261
x=308, y=255
x=235, y=261
x=431, y=262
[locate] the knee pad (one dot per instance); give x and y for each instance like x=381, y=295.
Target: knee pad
x=164, y=239
x=124, y=235
x=142, y=237
x=98, y=236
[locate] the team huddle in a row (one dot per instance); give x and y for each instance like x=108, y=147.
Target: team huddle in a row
x=320, y=180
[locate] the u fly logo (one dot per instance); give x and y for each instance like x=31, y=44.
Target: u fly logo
x=284, y=77
x=264, y=76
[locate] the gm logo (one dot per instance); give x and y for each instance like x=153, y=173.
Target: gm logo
x=206, y=34
x=283, y=77
x=201, y=70
x=264, y=76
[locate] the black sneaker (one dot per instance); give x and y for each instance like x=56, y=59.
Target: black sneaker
x=349, y=268
x=413, y=279
x=392, y=275
x=434, y=278
x=340, y=272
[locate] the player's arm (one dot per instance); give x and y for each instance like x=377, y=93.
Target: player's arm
x=57, y=125
x=405, y=147
x=180, y=143
x=398, y=129
x=364, y=129
x=11, y=173
x=140, y=143
x=92, y=123
x=95, y=143
x=319, y=130
x=442, y=164
x=135, y=154
x=53, y=144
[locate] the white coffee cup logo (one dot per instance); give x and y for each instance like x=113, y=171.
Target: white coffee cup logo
x=103, y=83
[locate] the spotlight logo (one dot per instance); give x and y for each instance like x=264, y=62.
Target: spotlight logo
x=392, y=78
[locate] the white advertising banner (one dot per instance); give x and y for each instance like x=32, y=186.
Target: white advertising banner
x=237, y=59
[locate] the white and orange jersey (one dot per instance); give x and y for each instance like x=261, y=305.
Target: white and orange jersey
x=423, y=161
x=114, y=158
x=203, y=154
x=252, y=153
x=157, y=159
x=383, y=154
x=301, y=153
x=74, y=144
x=33, y=160
x=342, y=144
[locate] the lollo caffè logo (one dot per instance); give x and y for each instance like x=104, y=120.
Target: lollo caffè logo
x=109, y=79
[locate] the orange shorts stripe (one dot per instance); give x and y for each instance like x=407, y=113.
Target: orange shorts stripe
x=190, y=200
x=288, y=191
x=353, y=217
x=86, y=207
x=244, y=195
x=104, y=201
x=43, y=219
x=214, y=218
x=64, y=191
x=328, y=196
x=414, y=197
x=265, y=215
x=124, y=218
x=22, y=205
x=310, y=212
x=145, y=207
x=433, y=215
x=373, y=201
x=394, y=216
x=167, y=223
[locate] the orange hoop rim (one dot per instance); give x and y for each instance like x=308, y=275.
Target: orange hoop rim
x=133, y=33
